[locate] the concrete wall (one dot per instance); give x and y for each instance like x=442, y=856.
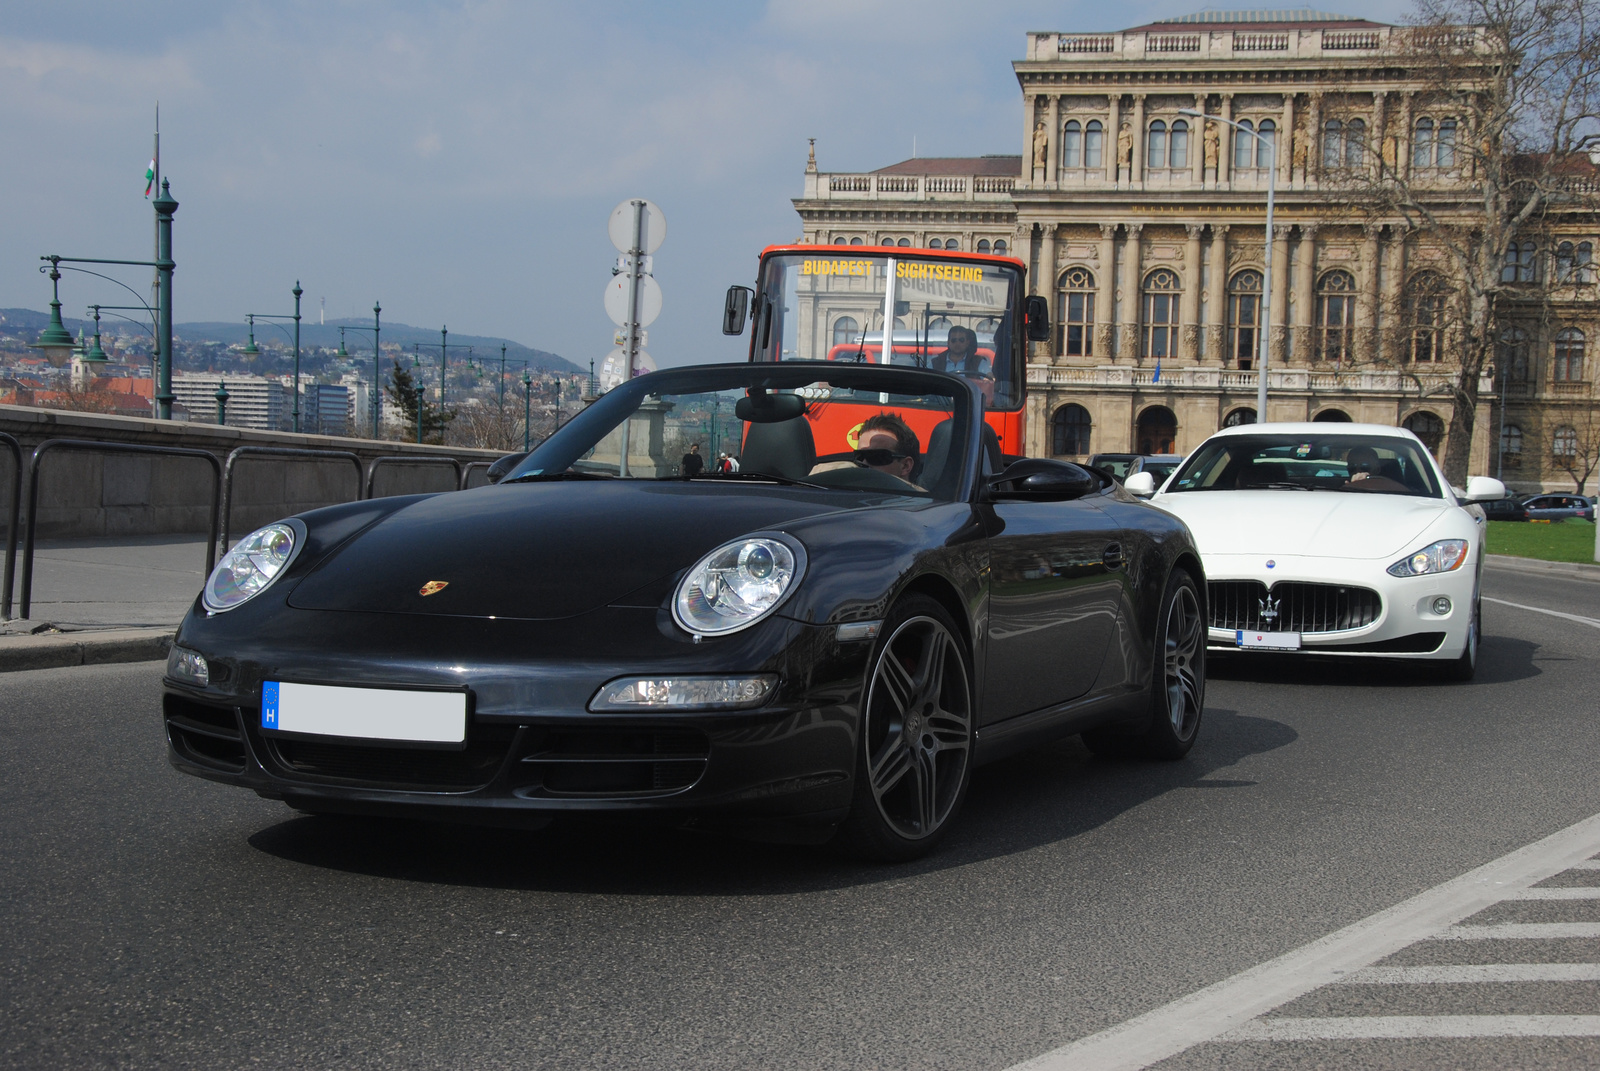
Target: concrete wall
x=87, y=494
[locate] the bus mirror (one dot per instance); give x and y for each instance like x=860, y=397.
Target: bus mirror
x=735, y=310
x=1038, y=314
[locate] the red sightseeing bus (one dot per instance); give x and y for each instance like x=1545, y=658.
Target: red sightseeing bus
x=964, y=313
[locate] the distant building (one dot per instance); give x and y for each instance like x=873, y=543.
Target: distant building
x=253, y=401
x=324, y=409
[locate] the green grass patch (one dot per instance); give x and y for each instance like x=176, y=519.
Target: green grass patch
x=1561, y=541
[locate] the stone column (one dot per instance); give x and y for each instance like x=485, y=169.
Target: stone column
x=1105, y=296
x=1052, y=171
x=1283, y=144
x=1365, y=348
x=1132, y=261
x=1225, y=153
x=1314, y=141
x=1217, y=295
x=1197, y=144
x=1304, y=318
x=1138, y=141
x=1189, y=303
x=1025, y=233
x=1047, y=284
x=1278, y=314
x=1374, y=158
x=1030, y=108
x=1108, y=150
x=1394, y=271
x=1402, y=165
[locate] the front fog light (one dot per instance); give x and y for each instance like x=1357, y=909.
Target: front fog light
x=188, y=666
x=685, y=693
x=1441, y=606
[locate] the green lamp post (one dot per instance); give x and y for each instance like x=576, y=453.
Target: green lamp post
x=96, y=353
x=527, y=408
x=250, y=348
x=55, y=341
x=222, y=397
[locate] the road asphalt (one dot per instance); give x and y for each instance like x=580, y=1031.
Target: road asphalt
x=148, y=918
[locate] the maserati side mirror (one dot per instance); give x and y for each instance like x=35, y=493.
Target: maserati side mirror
x=1140, y=485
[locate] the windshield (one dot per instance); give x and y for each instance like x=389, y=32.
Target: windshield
x=949, y=315
x=858, y=431
x=1369, y=464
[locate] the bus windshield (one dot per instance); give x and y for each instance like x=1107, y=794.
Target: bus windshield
x=949, y=315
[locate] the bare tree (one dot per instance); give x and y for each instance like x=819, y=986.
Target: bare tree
x=1575, y=445
x=1492, y=153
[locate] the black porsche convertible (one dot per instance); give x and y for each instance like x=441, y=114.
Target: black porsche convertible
x=817, y=642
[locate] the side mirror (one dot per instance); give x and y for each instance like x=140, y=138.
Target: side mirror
x=1042, y=479
x=736, y=310
x=498, y=470
x=1140, y=485
x=1484, y=489
x=1037, y=310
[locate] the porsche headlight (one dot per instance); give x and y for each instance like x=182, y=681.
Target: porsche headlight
x=737, y=585
x=1442, y=557
x=246, y=570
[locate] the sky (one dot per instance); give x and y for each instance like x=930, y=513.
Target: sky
x=458, y=159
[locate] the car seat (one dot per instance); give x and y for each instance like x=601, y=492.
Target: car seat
x=938, y=475
x=785, y=449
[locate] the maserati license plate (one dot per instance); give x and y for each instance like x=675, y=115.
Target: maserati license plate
x=1268, y=641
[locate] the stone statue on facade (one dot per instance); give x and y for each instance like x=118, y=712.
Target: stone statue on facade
x=1300, y=151
x=1213, y=145
x=1041, y=147
x=1125, y=149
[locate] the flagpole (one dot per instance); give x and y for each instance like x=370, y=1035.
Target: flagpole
x=155, y=275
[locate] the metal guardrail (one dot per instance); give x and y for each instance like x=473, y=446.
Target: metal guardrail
x=12, y=518
x=407, y=459
x=466, y=471
x=278, y=451
x=117, y=448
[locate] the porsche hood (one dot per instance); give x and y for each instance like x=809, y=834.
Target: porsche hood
x=536, y=551
x=1314, y=524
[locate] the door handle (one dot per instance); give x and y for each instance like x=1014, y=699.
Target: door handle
x=1112, y=558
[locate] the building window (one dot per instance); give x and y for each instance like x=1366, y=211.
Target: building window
x=1422, y=143
x=1156, y=430
x=986, y=326
x=1519, y=265
x=1156, y=149
x=1423, y=309
x=1332, y=143
x=1336, y=307
x=1178, y=149
x=1077, y=313
x=1266, y=144
x=1239, y=417
x=1427, y=427
x=1072, y=144
x=1447, y=143
x=1343, y=143
x=1244, y=317
x=1565, y=443
x=1434, y=144
x=934, y=243
x=1161, y=313
x=952, y=243
x=1355, y=143
x=841, y=241
x=1511, y=444
x=1331, y=416
x=1000, y=248
x=1243, y=145
x=903, y=243
x=855, y=241
x=845, y=330
x=1512, y=353
x=1093, y=142
x=1575, y=263
x=1568, y=366
x=983, y=245
x=1070, y=430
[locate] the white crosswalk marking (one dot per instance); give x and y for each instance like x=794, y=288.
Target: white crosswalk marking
x=1418, y=1026
x=1466, y=973
x=1577, y=892
x=1502, y=931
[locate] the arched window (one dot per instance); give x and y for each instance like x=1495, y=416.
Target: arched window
x=1178, y=150
x=1244, y=317
x=1072, y=145
x=1519, y=265
x=1069, y=430
x=1266, y=144
x=1447, y=143
x=902, y=243
x=1568, y=366
x=1094, y=138
x=1583, y=264
x=845, y=330
x=1355, y=143
x=1423, y=310
x=1512, y=353
x=1511, y=444
x=1422, y=143
x=1566, y=259
x=841, y=241
x=1000, y=248
x=1427, y=427
x=1156, y=149
x=939, y=323
x=1336, y=307
x=983, y=245
x=1076, y=313
x=1332, y=143
x=1331, y=416
x=1156, y=430
x=952, y=243
x=986, y=326
x=1244, y=146
x=855, y=241
x=1161, y=313
x=1565, y=443
x=934, y=243
x=1239, y=417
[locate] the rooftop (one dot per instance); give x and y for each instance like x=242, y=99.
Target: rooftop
x=955, y=165
x=1300, y=17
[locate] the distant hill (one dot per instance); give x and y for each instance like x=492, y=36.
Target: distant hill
x=28, y=323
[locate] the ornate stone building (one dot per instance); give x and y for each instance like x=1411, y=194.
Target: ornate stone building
x=1147, y=227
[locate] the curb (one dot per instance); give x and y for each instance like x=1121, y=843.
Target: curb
x=59, y=649
x=1575, y=570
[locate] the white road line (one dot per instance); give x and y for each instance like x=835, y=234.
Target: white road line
x=1500, y=931
x=1419, y=1026
x=1587, y=864
x=1232, y=1002
x=1576, y=892
x=1457, y=974
x=1541, y=610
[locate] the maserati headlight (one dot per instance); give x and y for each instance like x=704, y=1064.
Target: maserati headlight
x=246, y=570
x=737, y=585
x=1442, y=557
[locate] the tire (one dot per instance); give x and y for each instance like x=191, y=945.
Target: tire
x=1466, y=667
x=1177, y=684
x=914, y=744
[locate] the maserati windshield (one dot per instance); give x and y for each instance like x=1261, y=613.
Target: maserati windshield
x=1368, y=464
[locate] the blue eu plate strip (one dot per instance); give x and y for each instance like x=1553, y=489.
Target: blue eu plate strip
x=269, y=704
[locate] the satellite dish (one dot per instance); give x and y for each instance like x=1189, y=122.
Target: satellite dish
x=620, y=226
x=613, y=370
x=617, y=300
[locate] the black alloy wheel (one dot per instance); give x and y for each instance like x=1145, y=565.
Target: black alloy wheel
x=1177, y=686
x=915, y=754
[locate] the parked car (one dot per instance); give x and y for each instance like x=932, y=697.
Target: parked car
x=1333, y=539
x=821, y=644
x=1556, y=507
x=1118, y=465
x=1508, y=508
x=1160, y=466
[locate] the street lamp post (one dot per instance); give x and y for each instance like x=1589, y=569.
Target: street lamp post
x=55, y=341
x=527, y=407
x=377, y=361
x=1266, y=280
x=252, y=349
x=222, y=397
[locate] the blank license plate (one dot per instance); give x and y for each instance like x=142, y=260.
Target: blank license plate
x=365, y=713
x=1270, y=641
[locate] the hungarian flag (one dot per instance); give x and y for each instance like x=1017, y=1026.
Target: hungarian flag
x=149, y=178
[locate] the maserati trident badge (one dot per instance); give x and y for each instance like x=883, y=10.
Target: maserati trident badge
x=1269, y=609
x=433, y=587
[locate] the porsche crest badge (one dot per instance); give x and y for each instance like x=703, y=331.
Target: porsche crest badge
x=433, y=587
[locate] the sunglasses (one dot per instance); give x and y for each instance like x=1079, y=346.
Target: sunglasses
x=878, y=457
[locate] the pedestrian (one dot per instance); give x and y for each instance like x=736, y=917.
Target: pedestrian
x=692, y=464
x=733, y=463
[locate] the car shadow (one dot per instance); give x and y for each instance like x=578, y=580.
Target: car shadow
x=1501, y=660
x=1049, y=795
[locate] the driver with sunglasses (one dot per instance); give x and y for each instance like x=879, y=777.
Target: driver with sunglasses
x=887, y=443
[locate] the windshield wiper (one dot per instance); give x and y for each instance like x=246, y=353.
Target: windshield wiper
x=765, y=477
x=530, y=477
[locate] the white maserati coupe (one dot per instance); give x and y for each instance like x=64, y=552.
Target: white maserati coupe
x=1333, y=539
